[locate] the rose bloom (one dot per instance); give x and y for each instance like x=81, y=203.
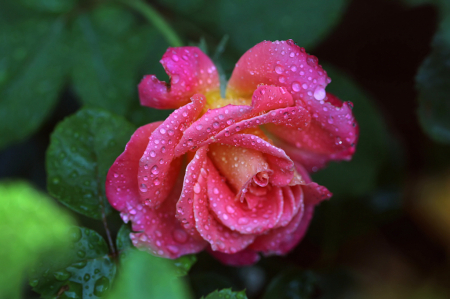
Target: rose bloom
x=230, y=175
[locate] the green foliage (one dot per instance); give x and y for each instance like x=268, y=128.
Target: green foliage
x=85, y=271
x=31, y=227
x=54, y=6
x=32, y=71
x=226, y=294
x=291, y=284
x=82, y=149
x=145, y=276
x=108, y=47
x=372, y=150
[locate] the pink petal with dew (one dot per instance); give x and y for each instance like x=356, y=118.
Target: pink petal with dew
x=244, y=257
x=285, y=64
x=268, y=97
x=185, y=209
x=293, y=200
x=310, y=160
x=190, y=72
x=158, y=231
x=212, y=122
x=281, y=240
x=219, y=236
x=121, y=181
x=157, y=173
x=333, y=131
x=314, y=193
x=236, y=215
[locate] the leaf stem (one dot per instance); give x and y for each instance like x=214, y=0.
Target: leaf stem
x=156, y=19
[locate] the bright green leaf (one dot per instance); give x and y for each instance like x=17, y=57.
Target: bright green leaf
x=33, y=67
x=146, y=276
x=86, y=271
x=372, y=149
x=226, y=294
x=108, y=48
x=82, y=149
x=291, y=284
x=31, y=226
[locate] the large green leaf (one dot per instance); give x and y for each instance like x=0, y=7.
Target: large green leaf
x=31, y=226
x=252, y=21
x=146, y=276
x=108, y=47
x=226, y=294
x=372, y=150
x=291, y=284
x=86, y=271
x=55, y=6
x=82, y=149
x=33, y=67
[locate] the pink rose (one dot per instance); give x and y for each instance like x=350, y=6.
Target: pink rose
x=231, y=175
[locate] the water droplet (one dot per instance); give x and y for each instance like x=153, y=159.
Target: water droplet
x=282, y=79
x=75, y=234
x=279, y=69
x=155, y=169
x=152, y=154
x=175, y=57
x=215, y=125
x=175, y=79
x=81, y=253
x=116, y=175
x=295, y=86
x=243, y=220
x=100, y=286
x=86, y=277
x=156, y=182
x=34, y=282
x=162, y=131
x=230, y=209
x=62, y=275
x=216, y=191
x=199, y=127
x=143, y=188
x=197, y=188
x=319, y=93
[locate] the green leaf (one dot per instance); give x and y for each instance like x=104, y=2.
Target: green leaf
x=372, y=150
x=31, y=226
x=146, y=276
x=108, y=48
x=82, y=149
x=184, y=264
x=33, y=67
x=124, y=246
x=226, y=294
x=86, y=271
x=252, y=21
x=291, y=284
x=55, y=6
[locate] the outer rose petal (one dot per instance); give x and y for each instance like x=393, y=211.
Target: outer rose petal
x=157, y=226
x=158, y=231
x=190, y=71
x=285, y=64
x=244, y=257
x=157, y=173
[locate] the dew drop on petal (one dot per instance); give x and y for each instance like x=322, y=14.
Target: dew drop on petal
x=295, y=86
x=319, y=93
x=143, y=188
x=155, y=169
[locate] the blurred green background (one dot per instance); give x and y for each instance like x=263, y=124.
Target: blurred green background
x=384, y=234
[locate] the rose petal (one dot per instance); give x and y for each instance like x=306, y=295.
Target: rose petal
x=332, y=133
x=121, y=181
x=185, y=209
x=310, y=160
x=219, y=236
x=314, y=193
x=281, y=240
x=237, y=215
x=212, y=122
x=293, y=199
x=158, y=231
x=157, y=173
x=190, y=72
x=268, y=97
x=244, y=257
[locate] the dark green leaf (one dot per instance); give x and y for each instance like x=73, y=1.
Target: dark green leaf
x=252, y=21
x=432, y=83
x=86, y=271
x=82, y=149
x=183, y=264
x=33, y=67
x=108, y=48
x=226, y=294
x=55, y=6
x=372, y=150
x=147, y=276
x=291, y=284
x=31, y=226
